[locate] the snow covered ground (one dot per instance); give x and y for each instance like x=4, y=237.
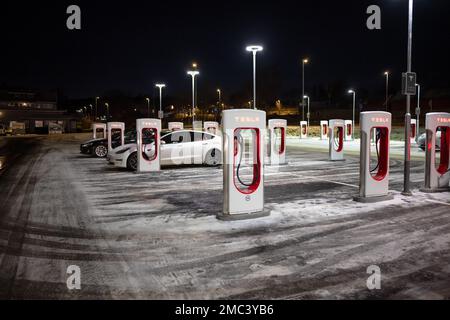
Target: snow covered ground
x=156, y=236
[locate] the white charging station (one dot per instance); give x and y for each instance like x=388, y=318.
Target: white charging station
x=348, y=130
x=115, y=129
x=437, y=171
x=413, y=130
x=211, y=127
x=374, y=164
x=198, y=125
x=98, y=130
x=175, y=126
x=148, y=145
x=303, y=129
x=243, y=164
x=323, y=130
x=277, y=141
x=336, y=139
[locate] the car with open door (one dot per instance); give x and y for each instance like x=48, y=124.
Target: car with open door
x=183, y=147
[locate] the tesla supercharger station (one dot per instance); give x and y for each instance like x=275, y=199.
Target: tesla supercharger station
x=148, y=145
x=115, y=129
x=336, y=139
x=198, y=125
x=437, y=171
x=303, y=129
x=348, y=130
x=277, y=141
x=323, y=130
x=374, y=160
x=413, y=130
x=243, y=164
x=211, y=127
x=175, y=126
x=98, y=128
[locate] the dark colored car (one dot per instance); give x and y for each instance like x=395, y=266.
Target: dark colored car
x=99, y=147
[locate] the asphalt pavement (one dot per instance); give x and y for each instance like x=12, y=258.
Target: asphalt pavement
x=156, y=236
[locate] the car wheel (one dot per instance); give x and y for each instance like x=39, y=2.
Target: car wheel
x=132, y=162
x=213, y=157
x=100, y=151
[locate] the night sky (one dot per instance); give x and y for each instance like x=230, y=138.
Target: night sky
x=130, y=45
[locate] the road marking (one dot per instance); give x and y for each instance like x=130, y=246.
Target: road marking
x=329, y=181
x=439, y=202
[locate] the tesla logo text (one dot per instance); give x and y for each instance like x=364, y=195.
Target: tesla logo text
x=380, y=120
x=74, y=20
x=246, y=119
x=374, y=281
x=374, y=20
x=443, y=120
x=74, y=280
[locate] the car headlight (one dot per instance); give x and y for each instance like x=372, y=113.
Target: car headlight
x=122, y=151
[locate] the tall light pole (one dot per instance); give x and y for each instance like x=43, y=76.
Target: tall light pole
x=107, y=111
x=304, y=62
x=148, y=107
x=308, y=114
x=193, y=73
x=96, y=101
x=160, y=86
x=407, y=169
x=418, y=112
x=254, y=50
x=387, y=89
x=352, y=92
x=219, y=93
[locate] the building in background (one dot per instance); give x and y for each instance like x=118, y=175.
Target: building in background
x=29, y=111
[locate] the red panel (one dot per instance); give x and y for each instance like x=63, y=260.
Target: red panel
x=445, y=147
x=256, y=164
x=383, y=154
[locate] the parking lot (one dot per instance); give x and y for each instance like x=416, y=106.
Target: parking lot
x=156, y=236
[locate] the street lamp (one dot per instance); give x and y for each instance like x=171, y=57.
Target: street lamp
x=107, y=111
x=193, y=73
x=148, y=107
x=160, y=86
x=219, y=92
x=304, y=61
x=85, y=112
x=254, y=50
x=96, y=100
x=418, y=112
x=407, y=169
x=308, y=114
x=351, y=91
x=387, y=89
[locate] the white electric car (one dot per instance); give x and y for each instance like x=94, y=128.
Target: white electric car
x=177, y=148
